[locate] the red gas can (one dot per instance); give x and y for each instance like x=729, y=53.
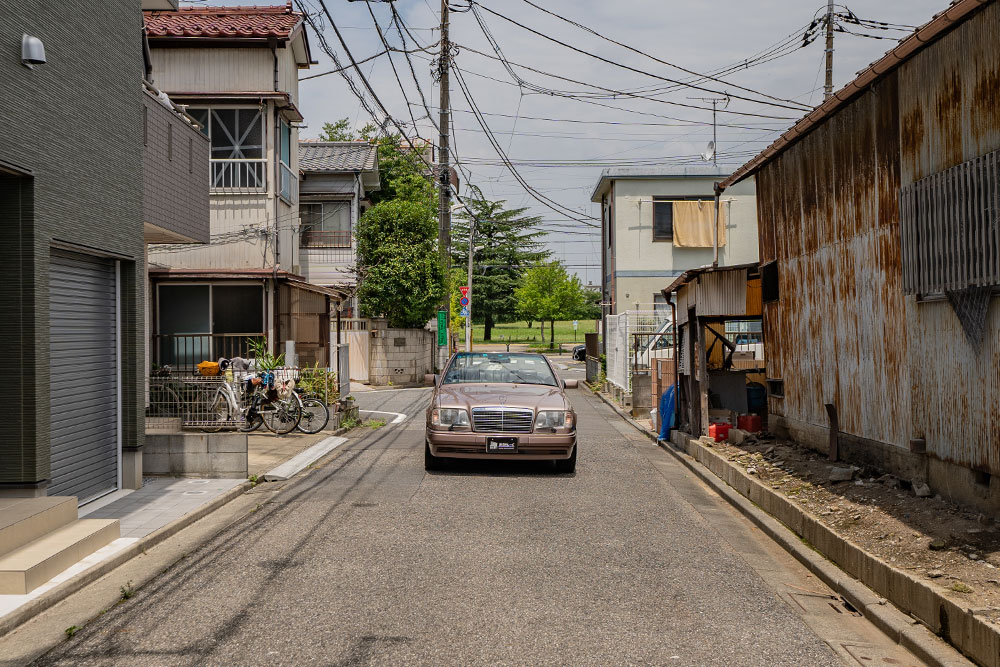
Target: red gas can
x=749, y=423
x=719, y=431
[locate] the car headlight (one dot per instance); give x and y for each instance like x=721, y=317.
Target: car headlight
x=554, y=419
x=453, y=418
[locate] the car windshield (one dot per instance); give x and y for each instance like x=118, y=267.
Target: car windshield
x=499, y=367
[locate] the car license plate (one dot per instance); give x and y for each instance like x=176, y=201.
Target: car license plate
x=501, y=445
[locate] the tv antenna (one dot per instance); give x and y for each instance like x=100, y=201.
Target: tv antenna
x=711, y=151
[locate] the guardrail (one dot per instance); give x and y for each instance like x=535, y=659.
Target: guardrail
x=185, y=351
x=239, y=175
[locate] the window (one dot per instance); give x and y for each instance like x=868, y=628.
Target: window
x=769, y=282
x=663, y=220
x=237, y=147
x=289, y=189
x=326, y=225
x=776, y=388
x=199, y=322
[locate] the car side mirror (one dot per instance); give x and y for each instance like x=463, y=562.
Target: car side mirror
x=571, y=384
x=434, y=380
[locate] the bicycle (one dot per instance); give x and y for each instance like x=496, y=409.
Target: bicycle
x=315, y=414
x=279, y=414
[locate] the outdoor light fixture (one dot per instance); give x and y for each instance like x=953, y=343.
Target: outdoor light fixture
x=32, y=51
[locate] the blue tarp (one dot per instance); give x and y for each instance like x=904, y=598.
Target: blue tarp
x=666, y=410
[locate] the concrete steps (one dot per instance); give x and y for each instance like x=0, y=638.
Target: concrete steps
x=41, y=537
x=24, y=520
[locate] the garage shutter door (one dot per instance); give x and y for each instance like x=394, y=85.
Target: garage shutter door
x=83, y=361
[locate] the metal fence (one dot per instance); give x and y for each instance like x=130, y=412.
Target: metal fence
x=184, y=399
x=633, y=339
x=185, y=351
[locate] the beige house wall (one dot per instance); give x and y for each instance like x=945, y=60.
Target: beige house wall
x=643, y=266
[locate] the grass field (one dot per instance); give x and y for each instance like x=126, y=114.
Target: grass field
x=518, y=332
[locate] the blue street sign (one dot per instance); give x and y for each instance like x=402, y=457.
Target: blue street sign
x=464, y=313
x=464, y=301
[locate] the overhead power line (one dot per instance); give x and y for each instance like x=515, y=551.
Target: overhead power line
x=796, y=106
x=663, y=62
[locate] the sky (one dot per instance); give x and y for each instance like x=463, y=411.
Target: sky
x=616, y=129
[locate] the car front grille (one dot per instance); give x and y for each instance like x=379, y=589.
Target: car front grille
x=502, y=420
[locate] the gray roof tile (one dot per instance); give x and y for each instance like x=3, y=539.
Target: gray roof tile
x=336, y=156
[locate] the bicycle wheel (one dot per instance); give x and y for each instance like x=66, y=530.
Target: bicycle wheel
x=282, y=416
x=315, y=416
x=217, y=411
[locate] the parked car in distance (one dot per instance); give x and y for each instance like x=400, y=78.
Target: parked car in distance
x=501, y=405
x=580, y=353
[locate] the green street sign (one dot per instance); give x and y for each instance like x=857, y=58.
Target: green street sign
x=442, y=327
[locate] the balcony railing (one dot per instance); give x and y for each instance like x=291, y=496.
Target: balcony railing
x=185, y=351
x=289, y=186
x=318, y=239
x=239, y=175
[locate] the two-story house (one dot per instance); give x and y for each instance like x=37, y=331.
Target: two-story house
x=656, y=224
x=236, y=69
x=336, y=180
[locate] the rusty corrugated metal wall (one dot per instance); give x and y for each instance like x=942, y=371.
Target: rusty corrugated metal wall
x=828, y=212
x=722, y=293
x=842, y=331
x=949, y=107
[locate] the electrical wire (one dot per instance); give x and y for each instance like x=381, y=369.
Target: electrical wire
x=796, y=106
x=661, y=61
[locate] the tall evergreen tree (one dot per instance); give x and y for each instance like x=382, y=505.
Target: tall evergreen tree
x=507, y=244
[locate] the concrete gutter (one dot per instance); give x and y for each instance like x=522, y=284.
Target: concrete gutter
x=866, y=582
x=52, y=597
x=300, y=461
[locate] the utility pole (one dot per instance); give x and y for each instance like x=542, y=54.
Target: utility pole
x=444, y=170
x=828, y=88
x=468, y=308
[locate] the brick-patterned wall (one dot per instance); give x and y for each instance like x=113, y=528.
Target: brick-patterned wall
x=74, y=126
x=404, y=363
x=175, y=172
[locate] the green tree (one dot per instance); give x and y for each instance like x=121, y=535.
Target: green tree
x=338, y=131
x=507, y=244
x=401, y=275
x=549, y=294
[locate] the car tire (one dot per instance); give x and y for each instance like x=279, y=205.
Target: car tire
x=567, y=465
x=431, y=462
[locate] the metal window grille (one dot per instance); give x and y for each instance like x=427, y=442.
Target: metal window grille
x=949, y=229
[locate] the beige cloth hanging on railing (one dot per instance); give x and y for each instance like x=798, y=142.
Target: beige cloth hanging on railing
x=693, y=224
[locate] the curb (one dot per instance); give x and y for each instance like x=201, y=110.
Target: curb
x=56, y=595
x=911, y=634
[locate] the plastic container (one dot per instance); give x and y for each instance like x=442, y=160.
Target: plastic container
x=749, y=423
x=718, y=431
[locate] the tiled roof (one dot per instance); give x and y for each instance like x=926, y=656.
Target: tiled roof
x=336, y=156
x=224, y=22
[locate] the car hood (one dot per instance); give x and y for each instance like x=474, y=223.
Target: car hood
x=475, y=395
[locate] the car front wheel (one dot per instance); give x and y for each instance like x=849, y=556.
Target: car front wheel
x=567, y=465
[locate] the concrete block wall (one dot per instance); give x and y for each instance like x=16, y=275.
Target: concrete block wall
x=400, y=356
x=196, y=455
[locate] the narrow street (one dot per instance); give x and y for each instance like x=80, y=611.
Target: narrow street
x=370, y=560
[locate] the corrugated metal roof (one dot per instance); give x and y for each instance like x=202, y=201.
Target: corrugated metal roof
x=332, y=156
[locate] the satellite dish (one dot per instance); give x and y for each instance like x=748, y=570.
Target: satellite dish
x=709, y=152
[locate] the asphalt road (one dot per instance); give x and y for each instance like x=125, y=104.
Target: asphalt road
x=369, y=560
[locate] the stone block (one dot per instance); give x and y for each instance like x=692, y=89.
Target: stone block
x=227, y=442
x=736, y=436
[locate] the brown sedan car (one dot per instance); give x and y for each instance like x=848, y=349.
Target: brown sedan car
x=501, y=405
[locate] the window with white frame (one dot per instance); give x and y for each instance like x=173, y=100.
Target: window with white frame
x=326, y=224
x=289, y=182
x=238, y=139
